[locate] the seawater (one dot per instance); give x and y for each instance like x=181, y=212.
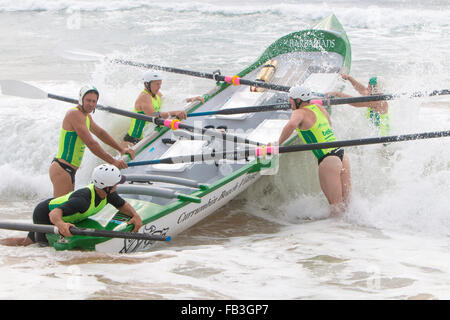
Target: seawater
x=275, y=241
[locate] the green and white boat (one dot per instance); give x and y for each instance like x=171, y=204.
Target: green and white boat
x=171, y=198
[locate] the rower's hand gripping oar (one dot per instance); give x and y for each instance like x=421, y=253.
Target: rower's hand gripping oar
x=82, y=231
x=24, y=90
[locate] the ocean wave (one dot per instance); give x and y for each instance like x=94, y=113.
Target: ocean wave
x=353, y=13
x=56, y=5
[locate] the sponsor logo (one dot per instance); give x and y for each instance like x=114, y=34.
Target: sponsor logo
x=316, y=41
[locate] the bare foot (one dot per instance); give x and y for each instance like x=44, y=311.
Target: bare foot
x=16, y=242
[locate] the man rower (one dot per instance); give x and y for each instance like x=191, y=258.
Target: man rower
x=149, y=103
x=76, y=133
x=65, y=211
x=313, y=125
x=377, y=111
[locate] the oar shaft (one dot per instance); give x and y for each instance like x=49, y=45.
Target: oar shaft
x=29, y=227
x=251, y=109
x=381, y=97
x=232, y=155
x=61, y=98
x=82, y=232
x=274, y=150
x=162, y=68
x=367, y=141
x=205, y=75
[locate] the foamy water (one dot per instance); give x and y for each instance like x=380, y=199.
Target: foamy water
x=275, y=240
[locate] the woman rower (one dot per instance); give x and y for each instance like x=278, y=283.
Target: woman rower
x=313, y=125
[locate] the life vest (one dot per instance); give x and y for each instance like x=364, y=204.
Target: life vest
x=137, y=126
x=381, y=121
x=79, y=216
x=71, y=147
x=318, y=133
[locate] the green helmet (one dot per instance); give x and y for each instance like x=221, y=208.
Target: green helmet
x=378, y=84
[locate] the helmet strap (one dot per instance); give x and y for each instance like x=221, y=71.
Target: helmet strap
x=147, y=86
x=297, y=104
x=107, y=190
x=82, y=108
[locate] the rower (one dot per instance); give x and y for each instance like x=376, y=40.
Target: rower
x=313, y=125
x=377, y=111
x=79, y=205
x=149, y=102
x=77, y=132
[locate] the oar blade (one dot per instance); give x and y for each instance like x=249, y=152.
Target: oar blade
x=79, y=55
x=22, y=89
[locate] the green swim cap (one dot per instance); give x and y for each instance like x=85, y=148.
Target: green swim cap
x=373, y=81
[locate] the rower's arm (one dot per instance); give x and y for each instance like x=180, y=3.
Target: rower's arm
x=337, y=94
x=106, y=138
x=358, y=86
x=56, y=218
x=78, y=123
x=294, y=122
x=135, y=218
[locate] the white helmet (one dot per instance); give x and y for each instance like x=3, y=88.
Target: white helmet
x=85, y=90
x=107, y=175
x=299, y=92
x=151, y=76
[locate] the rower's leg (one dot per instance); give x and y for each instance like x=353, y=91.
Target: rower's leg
x=330, y=181
x=346, y=180
x=15, y=242
x=61, y=180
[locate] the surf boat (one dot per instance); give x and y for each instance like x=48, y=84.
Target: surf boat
x=172, y=197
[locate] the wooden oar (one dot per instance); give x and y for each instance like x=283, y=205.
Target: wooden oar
x=82, y=232
x=382, y=97
x=84, y=55
x=251, y=109
x=262, y=151
x=24, y=90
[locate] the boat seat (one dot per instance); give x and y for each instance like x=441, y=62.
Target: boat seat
x=268, y=131
x=242, y=98
x=180, y=148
